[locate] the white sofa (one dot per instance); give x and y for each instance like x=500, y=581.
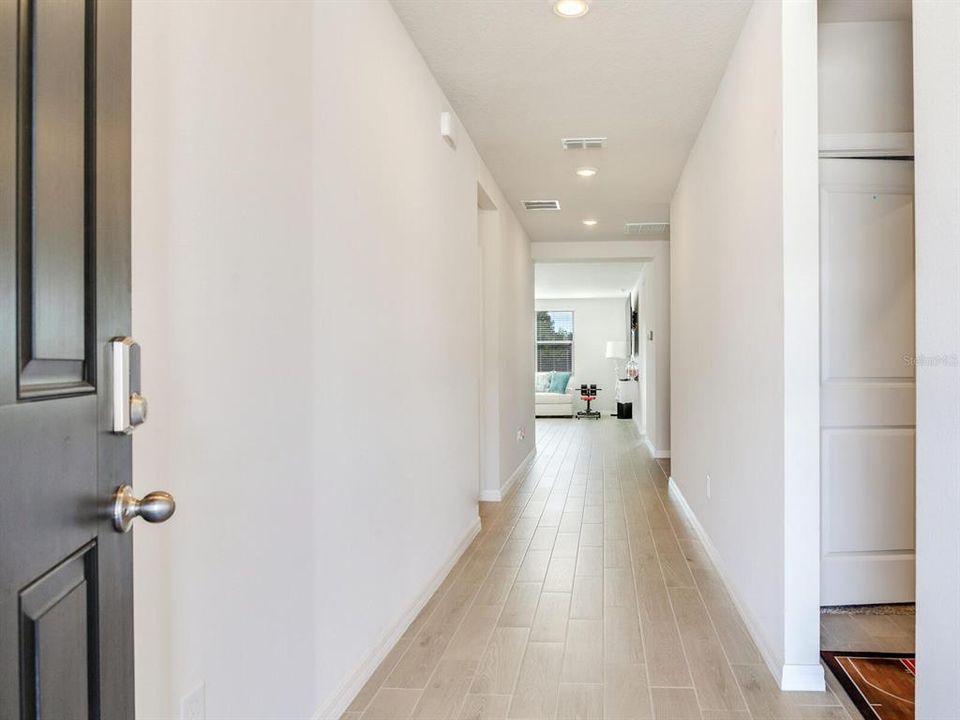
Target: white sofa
x=548, y=404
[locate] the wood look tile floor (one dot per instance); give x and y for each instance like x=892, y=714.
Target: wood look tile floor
x=586, y=596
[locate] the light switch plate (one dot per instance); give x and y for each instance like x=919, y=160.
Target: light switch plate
x=193, y=705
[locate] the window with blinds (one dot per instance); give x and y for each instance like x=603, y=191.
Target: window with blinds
x=555, y=340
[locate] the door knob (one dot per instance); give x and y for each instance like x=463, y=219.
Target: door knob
x=155, y=507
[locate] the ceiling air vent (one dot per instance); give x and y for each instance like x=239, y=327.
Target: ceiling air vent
x=582, y=143
x=641, y=228
x=541, y=204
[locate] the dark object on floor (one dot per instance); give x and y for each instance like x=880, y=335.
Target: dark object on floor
x=624, y=411
x=588, y=393
x=881, y=685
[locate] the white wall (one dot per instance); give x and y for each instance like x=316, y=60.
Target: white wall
x=655, y=313
x=488, y=236
x=305, y=261
x=508, y=357
x=653, y=290
x=516, y=352
x=595, y=321
x=936, y=27
x=743, y=298
x=801, y=348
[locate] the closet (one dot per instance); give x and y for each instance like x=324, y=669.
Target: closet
x=867, y=303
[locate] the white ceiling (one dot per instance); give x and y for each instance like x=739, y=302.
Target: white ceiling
x=556, y=281
x=641, y=73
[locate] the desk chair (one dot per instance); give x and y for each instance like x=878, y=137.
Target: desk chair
x=588, y=393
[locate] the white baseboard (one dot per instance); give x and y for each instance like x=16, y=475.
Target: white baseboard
x=659, y=454
x=789, y=677
x=649, y=445
x=355, y=682
x=499, y=495
x=802, y=677
x=638, y=423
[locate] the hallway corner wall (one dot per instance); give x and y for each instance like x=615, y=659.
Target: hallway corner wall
x=515, y=346
x=936, y=47
x=507, y=351
x=745, y=327
x=654, y=291
x=305, y=289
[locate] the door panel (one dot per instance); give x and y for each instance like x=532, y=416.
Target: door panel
x=867, y=381
x=59, y=649
x=54, y=142
x=867, y=277
x=859, y=404
x=870, y=470
x=65, y=574
x=58, y=187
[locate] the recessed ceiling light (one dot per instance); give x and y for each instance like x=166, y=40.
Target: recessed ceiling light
x=586, y=171
x=571, y=8
x=590, y=223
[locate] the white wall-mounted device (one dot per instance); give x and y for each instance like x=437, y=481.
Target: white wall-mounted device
x=447, y=131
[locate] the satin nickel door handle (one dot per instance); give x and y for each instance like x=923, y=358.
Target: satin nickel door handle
x=155, y=507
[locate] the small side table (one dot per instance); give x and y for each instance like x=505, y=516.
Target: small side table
x=626, y=392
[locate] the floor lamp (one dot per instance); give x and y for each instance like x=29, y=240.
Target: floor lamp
x=617, y=350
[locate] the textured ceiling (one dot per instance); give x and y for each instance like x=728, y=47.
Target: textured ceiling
x=640, y=72
x=555, y=281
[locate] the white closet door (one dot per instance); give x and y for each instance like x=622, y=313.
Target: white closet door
x=867, y=381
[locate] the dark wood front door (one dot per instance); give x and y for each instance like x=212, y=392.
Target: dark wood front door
x=66, y=620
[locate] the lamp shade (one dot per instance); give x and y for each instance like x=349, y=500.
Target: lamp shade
x=617, y=349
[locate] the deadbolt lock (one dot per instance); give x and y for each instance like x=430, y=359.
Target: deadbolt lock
x=127, y=405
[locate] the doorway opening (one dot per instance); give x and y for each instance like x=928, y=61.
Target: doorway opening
x=867, y=349
x=589, y=356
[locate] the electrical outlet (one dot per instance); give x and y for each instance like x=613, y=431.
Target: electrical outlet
x=193, y=705
x=708, y=487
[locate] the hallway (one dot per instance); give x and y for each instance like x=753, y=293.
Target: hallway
x=586, y=595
